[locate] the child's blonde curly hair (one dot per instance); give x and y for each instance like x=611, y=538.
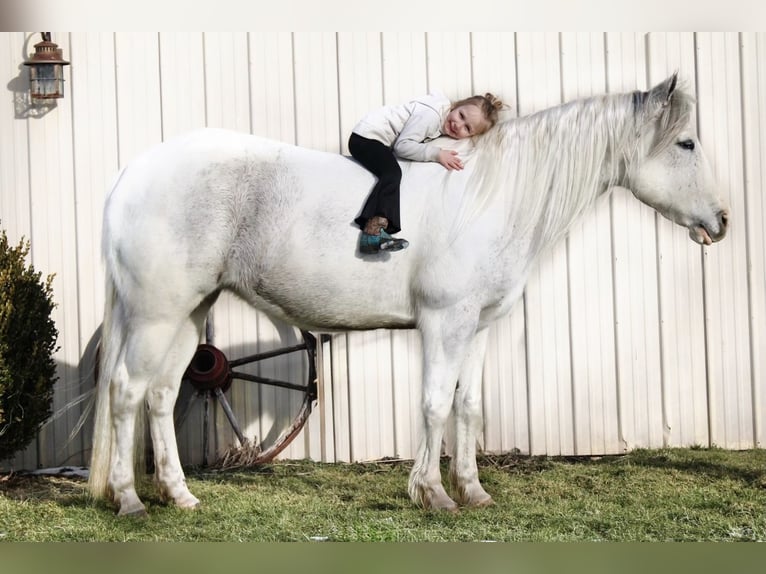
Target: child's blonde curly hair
x=489, y=104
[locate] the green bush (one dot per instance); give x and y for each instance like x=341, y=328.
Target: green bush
x=27, y=343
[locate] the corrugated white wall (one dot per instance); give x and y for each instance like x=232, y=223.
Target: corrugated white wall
x=628, y=333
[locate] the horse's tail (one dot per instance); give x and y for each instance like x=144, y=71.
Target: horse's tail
x=111, y=343
x=111, y=348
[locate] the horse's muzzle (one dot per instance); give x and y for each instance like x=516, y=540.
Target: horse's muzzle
x=705, y=235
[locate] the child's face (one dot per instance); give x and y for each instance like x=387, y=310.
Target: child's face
x=464, y=121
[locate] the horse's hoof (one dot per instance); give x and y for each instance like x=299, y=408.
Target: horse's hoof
x=482, y=503
x=451, y=508
x=443, y=505
x=190, y=503
x=135, y=513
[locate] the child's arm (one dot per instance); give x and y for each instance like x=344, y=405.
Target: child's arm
x=423, y=124
x=409, y=145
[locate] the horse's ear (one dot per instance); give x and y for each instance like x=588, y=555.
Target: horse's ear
x=672, y=81
x=660, y=95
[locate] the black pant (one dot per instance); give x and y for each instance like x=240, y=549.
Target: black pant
x=379, y=159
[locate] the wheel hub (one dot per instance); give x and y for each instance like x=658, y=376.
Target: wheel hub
x=209, y=369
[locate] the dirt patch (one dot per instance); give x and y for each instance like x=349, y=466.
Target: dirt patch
x=40, y=487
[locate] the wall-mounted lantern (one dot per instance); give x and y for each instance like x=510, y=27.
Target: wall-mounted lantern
x=46, y=70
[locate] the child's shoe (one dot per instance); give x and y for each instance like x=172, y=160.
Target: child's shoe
x=381, y=242
x=374, y=238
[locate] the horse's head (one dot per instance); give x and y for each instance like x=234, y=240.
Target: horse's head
x=671, y=173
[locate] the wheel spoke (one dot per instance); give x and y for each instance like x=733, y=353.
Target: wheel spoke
x=270, y=382
x=230, y=415
x=267, y=355
x=187, y=409
x=205, y=430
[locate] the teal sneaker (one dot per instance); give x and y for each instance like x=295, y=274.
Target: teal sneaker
x=383, y=242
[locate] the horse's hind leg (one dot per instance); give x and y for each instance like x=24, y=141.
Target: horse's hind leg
x=161, y=398
x=464, y=475
x=143, y=354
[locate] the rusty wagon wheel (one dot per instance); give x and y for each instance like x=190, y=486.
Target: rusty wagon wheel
x=211, y=375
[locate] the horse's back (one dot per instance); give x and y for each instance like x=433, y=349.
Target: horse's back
x=169, y=218
x=215, y=209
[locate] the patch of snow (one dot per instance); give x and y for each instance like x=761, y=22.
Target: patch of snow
x=68, y=471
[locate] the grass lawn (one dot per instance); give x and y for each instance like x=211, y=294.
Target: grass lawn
x=647, y=495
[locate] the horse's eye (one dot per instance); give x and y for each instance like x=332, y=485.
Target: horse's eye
x=686, y=144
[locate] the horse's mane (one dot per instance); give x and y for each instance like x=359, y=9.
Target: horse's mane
x=545, y=169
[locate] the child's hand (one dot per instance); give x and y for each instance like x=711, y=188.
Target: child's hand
x=450, y=160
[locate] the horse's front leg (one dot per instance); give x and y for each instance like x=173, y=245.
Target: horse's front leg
x=464, y=474
x=446, y=335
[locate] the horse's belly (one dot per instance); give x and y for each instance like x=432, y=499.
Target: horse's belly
x=324, y=308
x=324, y=286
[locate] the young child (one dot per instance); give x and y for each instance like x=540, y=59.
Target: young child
x=406, y=131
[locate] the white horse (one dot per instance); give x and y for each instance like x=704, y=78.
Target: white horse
x=272, y=222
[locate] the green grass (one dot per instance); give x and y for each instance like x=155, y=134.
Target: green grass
x=647, y=495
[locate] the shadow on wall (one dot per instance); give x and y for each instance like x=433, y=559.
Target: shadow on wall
x=263, y=412
x=23, y=106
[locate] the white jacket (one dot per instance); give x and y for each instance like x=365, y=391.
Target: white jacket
x=408, y=128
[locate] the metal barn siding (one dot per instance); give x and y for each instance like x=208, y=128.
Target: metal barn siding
x=628, y=334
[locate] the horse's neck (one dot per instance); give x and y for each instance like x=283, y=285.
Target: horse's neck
x=560, y=162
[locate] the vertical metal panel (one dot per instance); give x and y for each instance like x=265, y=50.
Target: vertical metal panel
x=506, y=422
x=272, y=115
x=226, y=75
x=449, y=63
x=725, y=265
x=754, y=148
x=182, y=82
x=267, y=410
x=341, y=408
x=96, y=162
x=15, y=199
x=636, y=303
x=448, y=68
x=324, y=421
x=404, y=66
x=683, y=397
x=15, y=214
x=404, y=77
x=370, y=395
x=227, y=105
x=315, y=73
x=546, y=296
x=316, y=91
x=139, y=107
x=272, y=89
x=360, y=80
x=493, y=67
x=54, y=250
x=591, y=309
x=370, y=385
x=182, y=107
x=506, y=418
x=407, y=375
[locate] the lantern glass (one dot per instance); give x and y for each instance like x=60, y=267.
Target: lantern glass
x=47, y=81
